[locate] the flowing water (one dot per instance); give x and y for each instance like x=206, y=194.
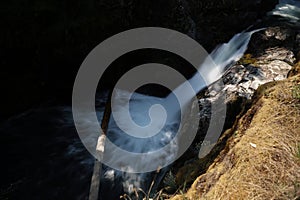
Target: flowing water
x=287, y=10
x=165, y=123
x=61, y=164
x=50, y=151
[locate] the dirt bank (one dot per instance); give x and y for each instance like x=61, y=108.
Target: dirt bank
x=261, y=159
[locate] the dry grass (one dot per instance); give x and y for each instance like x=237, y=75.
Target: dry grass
x=263, y=158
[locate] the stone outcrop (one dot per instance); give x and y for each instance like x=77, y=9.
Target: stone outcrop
x=261, y=156
x=268, y=62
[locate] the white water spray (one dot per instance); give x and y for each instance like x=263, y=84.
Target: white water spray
x=222, y=58
x=215, y=65
x=288, y=9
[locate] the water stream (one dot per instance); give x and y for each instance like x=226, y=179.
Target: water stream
x=209, y=72
x=41, y=141
x=165, y=123
x=288, y=11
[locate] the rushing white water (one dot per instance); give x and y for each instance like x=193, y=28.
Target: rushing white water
x=50, y=153
x=168, y=122
x=288, y=9
x=214, y=66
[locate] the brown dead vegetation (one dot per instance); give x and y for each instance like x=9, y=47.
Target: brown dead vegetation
x=261, y=159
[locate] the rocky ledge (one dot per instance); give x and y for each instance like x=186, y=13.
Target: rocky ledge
x=261, y=156
x=257, y=155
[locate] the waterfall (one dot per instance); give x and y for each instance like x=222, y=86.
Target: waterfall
x=215, y=65
x=166, y=122
x=43, y=149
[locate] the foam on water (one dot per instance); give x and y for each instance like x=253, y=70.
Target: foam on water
x=168, y=122
x=288, y=10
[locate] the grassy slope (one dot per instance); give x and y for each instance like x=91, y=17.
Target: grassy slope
x=262, y=157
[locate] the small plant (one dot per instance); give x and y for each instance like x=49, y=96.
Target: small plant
x=296, y=92
x=298, y=151
x=146, y=195
x=246, y=60
x=182, y=191
x=170, y=182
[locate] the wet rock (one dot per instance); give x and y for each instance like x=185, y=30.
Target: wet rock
x=240, y=83
x=278, y=33
x=242, y=79
x=273, y=37
x=254, y=150
x=277, y=53
x=270, y=57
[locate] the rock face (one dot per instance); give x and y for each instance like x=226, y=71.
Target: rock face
x=264, y=64
x=50, y=40
x=242, y=79
x=261, y=132
x=261, y=156
x=270, y=57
